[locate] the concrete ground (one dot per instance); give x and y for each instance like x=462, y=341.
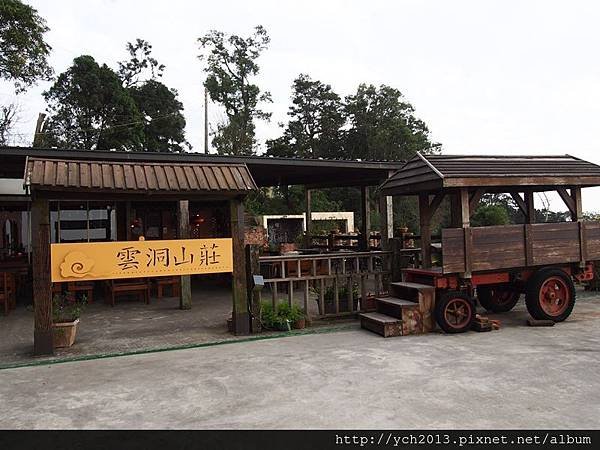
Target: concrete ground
x=517, y=377
x=131, y=325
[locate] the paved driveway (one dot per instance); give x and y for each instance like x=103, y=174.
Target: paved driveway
x=517, y=377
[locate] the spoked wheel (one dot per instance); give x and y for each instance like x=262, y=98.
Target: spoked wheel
x=454, y=312
x=499, y=298
x=550, y=295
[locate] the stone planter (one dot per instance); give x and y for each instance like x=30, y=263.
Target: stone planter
x=64, y=333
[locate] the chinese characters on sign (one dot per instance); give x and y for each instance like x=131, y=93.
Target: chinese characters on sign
x=206, y=255
x=132, y=259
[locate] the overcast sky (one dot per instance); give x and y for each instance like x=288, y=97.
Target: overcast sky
x=507, y=77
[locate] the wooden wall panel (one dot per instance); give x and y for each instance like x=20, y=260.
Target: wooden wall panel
x=453, y=250
x=592, y=234
x=498, y=247
x=554, y=243
x=503, y=247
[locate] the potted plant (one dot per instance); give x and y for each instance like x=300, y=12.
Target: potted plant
x=66, y=310
x=283, y=318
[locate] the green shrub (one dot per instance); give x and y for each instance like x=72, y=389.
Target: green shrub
x=281, y=317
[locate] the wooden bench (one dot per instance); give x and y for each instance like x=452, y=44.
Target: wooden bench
x=130, y=286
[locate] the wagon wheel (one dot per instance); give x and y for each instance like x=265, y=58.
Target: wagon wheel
x=498, y=298
x=550, y=295
x=454, y=312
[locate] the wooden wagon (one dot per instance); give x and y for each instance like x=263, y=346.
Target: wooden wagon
x=492, y=265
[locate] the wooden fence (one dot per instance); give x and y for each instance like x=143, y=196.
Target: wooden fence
x=340, y=281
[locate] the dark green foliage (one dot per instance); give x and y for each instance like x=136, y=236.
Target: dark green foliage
x=316, y=120
x=230, y=65
x=383, y=126
x=280, y=318
x=67, y=307
x=163, y=119
x=492, y=214
x=287, y=200
x=90, y=109
x=23, y=51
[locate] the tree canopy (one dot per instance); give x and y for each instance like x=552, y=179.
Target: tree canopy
x=231, y=64
x=90, y=109
x=93, y=107
x=23, y=50
x=316, y=121
x=383, y=126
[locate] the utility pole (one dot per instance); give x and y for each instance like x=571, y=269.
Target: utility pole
x=206, y=120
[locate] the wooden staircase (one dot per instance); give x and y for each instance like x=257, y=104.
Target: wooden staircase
x=409, y=310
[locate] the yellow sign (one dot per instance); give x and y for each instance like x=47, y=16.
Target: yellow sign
x=132, y=259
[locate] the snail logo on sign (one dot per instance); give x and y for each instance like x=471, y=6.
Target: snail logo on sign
x=133, y=259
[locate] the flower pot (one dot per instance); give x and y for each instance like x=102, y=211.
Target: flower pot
x=299, y=324
x=64, y=333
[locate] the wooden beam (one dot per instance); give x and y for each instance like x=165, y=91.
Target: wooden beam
x=309, y=224
x=435, y=204
x=568, y=200
x=425, y=225
x=465, y=213
x=241, y=318
x=520, y=202
x=42, y=287
x=465, y=216
x=366, y=218
x=386, y=212
x=577, y=213
x=475, y=199
x=455, y=221
x=183, y=219
x=530, y=205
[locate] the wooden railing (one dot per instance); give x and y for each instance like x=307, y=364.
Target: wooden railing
x=335, y=279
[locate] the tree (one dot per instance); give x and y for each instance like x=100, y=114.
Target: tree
x=230, y=65
x=383, y=126
x=140, y=60
x=161, y=111
x=163, y=120
x=316, y=120
x=90, y=109
x=8, y=116
x=23, y=50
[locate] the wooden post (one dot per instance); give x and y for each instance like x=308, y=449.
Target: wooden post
x=183, y=218
x=465, y=217
x=455, y=219
x=577, y=214
x=386, y=212
x=425, y=225
x=241, y=318
x=308, y=209
x=366, y=218
x=42, y=285
x=254, y=298
x=530, y=205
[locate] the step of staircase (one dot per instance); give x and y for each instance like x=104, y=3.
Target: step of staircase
x=381, y=324
x=393, y=306
x=411, y=291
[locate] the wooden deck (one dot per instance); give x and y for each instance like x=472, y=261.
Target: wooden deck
x=518, y=246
